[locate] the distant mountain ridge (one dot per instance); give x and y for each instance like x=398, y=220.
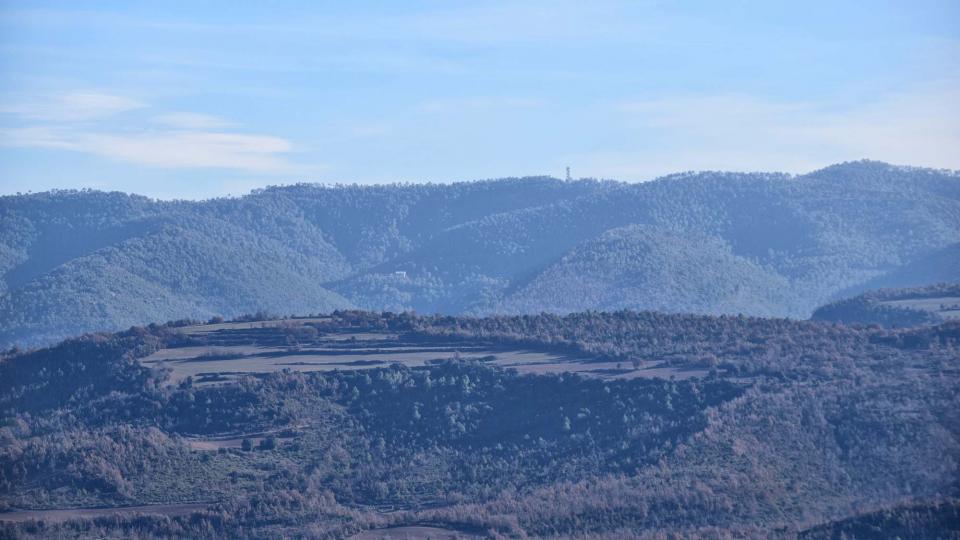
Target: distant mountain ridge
x=760, y=244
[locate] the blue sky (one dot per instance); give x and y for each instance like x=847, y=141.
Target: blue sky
x=201, y=99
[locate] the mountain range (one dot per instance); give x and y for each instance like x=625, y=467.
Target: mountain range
x=764, y=244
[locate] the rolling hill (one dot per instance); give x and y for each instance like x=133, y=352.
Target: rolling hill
x=761, y=244
x=589, y=425
x=638, y=267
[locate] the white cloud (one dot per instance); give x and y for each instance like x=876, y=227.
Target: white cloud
x=37, y=137
x=188, y=120
x=920, y=128
x=736, y=132
x=72, y=107
x=192, y=150
x=167, y=149
x=186, y=140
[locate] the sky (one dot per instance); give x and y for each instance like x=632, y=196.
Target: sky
x=204, y=99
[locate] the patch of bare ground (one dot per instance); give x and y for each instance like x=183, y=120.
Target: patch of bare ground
x=242, y=348
x=236, y=440
x=64, y=514
x=248, y=325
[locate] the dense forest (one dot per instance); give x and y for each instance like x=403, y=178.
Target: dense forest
x=764, y=428
x=711, y=243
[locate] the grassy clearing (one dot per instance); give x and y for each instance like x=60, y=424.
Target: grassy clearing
x=247, y=325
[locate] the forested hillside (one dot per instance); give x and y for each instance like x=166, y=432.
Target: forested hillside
x=759, y=244
x=641, y=267
x=914, y=306
x=743, y=427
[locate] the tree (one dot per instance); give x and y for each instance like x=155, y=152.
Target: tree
x=268, y=443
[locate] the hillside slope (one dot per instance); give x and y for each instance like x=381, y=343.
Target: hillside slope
x=506, y=427
x=932, y=304
x=764, y=244
x=638, y=267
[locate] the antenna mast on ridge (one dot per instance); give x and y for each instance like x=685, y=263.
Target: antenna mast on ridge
x=568, y=174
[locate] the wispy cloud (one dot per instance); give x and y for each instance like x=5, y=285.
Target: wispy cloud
x=166, y=149
x=182, y=140
x=72, y=107
x=188, y=120
x=739, y=132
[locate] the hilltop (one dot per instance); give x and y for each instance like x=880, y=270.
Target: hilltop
x=589, y=425
x=710, y=242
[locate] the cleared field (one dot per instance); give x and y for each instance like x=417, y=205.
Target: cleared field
x=182, y=509
x=214, y=444
x=230, y=350
x=235, y=440
x=201, y=363
x=206, y=328
x=537, y=364
x=415, y=533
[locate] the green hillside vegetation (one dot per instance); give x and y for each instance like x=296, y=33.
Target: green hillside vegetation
x=799, y=426
x=772, y=244
x=941, y=266
x=638, y=267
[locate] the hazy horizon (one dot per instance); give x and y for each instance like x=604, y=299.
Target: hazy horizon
x=574, y=178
